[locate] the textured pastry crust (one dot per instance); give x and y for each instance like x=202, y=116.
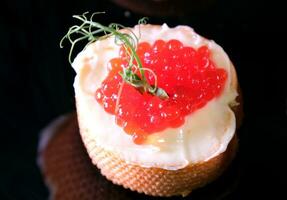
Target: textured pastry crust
x=157, y=181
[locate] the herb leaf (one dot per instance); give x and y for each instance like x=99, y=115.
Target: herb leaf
x=93, y=31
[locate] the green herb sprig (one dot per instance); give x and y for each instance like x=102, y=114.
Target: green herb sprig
x=93, y=31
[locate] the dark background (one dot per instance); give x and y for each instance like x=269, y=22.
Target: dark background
x=36, y=83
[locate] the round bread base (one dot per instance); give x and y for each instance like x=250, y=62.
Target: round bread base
x=70, y=174
x=157, y=181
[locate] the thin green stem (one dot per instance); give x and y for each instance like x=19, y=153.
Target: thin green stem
x=128, y=39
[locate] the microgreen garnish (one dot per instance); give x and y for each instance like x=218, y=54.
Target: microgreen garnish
x=93, y=31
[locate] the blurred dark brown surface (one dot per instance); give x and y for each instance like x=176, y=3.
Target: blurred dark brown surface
x=36, y=83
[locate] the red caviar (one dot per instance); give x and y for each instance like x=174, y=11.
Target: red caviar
x=188, y=76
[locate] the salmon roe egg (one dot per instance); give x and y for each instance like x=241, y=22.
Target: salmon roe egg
x=188, y=75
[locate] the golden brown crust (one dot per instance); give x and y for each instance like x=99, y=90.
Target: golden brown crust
x=156, y=181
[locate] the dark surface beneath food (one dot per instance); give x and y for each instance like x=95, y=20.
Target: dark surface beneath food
x=36, y=86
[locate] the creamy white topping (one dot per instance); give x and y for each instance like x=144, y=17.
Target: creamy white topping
x=205, y=134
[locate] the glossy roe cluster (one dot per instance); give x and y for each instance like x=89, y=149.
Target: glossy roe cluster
x=188, y=76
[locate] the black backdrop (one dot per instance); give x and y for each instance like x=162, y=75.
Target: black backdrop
x=36, y=83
